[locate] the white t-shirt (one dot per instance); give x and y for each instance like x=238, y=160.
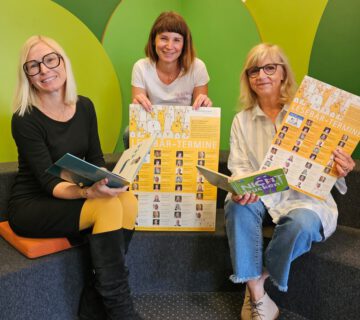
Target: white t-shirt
x=179, y=92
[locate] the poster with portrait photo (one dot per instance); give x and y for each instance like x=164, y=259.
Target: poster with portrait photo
x=170, y=174
x=320, y=119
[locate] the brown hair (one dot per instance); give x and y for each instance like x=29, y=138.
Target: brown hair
x=172, y=22
x=248, y=97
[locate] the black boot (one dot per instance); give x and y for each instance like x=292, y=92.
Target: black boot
x=111, y=274
x=128, y=234
x=91, y=303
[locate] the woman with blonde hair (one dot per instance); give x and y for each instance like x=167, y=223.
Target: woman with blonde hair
x=267, y=87
x=49, y=120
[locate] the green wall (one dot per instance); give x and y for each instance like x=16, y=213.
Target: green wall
x=94, y=72
x=104, y=39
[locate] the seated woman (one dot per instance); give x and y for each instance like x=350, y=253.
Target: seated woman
x=267, y=86
x=49, y=120
x=171, y=74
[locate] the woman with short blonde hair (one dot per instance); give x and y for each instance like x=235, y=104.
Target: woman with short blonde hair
x=267, y=86
x=248, y=98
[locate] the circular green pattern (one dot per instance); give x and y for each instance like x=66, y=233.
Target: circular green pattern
x=92, y=68
x=336, y=49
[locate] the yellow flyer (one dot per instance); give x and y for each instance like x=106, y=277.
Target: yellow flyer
x=320, y=119
x=172, y=194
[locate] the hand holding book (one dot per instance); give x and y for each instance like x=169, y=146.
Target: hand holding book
x=100, y=190
x=257, y=183
x=245, y=199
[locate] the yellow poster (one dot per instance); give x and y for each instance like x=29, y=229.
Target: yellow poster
x=320, y=119
x=172, y=194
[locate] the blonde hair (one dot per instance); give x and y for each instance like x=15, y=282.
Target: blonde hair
x=248, y=98
x=172, y=22
x=26, y=94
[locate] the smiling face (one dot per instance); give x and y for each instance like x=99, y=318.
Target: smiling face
x=265, y=85
x=48, y=80
x=169, y=46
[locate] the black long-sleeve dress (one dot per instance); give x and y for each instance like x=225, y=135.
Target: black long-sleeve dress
x=40, y=140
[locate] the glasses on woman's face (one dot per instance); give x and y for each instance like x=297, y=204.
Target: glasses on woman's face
x=50, y=60
x=269, y=69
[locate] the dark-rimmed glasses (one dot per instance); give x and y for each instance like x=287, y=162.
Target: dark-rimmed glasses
x=50, y=60
x=269, y=69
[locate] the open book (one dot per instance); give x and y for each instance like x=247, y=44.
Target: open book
x=83, y=173
x=260, y=182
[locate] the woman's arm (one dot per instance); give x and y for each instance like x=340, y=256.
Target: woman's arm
x=139, y=96
x=67, y=190
x=200, y=97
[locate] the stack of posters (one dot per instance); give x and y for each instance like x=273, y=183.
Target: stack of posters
x=320, y=119
x=172, y=194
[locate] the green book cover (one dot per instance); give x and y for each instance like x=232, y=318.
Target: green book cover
x=261, y=183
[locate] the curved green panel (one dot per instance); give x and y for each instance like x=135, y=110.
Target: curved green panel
x=94, y=13
x=93, y=70
x=223, y=34
x=290, y=24
x=125, y=38
x=336, y=50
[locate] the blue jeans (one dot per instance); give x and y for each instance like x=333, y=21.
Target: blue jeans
x=293, y=236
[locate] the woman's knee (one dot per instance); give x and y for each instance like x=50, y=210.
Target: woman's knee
x=302, y=222
x=101, y=211
x=130, y=207
x=129, y=202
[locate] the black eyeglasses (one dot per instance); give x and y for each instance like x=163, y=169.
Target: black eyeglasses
x=50, y=60
x=269, y=69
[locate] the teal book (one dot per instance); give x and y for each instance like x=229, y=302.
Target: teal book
x=73, y=169
x=259, y=182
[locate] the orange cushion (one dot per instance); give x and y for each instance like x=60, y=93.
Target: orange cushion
x=33, y=247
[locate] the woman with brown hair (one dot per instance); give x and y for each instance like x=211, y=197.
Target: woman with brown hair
x=171, y=74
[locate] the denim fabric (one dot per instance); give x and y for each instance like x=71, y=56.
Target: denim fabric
x=293, y=236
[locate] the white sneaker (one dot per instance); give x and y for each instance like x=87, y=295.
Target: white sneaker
x=264, y=309
x=246, y=308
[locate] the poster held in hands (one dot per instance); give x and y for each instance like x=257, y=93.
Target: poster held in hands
x=320, y=119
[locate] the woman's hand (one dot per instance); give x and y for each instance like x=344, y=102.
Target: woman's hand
x=344, y=162
x=101, y=190
x=142, y=99
x=202, y=100
x=245, y=199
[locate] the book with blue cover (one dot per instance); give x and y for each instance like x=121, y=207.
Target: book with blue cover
x=73, y=169
x=260, y=182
